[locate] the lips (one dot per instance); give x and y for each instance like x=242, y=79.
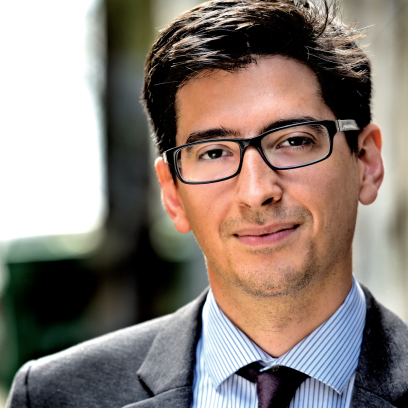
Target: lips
x=265, y=229
x=265, y=235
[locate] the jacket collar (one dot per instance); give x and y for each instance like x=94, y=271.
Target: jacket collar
x=179, y=397
x=169, y=364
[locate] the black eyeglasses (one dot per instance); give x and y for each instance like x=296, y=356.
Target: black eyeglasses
x=284, y=148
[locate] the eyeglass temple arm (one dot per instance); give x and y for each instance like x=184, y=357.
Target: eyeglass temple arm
x=346, y=124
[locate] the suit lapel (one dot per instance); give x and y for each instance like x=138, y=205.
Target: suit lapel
x=168, y=369
x=383, y=364
x=364, y=398
x=179, y=397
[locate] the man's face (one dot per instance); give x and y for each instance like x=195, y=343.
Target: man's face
x=267, y=232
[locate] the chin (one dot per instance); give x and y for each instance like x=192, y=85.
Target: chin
x=288, y=280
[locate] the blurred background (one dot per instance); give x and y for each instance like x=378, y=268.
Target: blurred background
x=85, y=246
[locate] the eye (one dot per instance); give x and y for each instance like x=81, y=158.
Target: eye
x=214, y=154
x=296, y=141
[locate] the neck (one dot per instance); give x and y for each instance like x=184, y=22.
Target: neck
x=278, y=323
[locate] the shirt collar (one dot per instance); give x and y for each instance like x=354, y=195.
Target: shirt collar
x=329, y=354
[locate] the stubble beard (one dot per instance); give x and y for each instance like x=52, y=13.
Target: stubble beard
x=271, y=280
x=276, y=280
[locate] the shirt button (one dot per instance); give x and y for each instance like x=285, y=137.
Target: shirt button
x=274, y=368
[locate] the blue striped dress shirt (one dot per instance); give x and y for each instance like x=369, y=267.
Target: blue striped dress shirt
x=329, y=355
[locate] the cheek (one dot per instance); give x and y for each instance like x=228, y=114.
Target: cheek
x=206, y=206
x=329, y=190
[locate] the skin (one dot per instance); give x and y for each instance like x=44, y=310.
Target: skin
x=278, y=244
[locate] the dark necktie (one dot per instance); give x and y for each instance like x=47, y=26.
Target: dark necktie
x=275, y=387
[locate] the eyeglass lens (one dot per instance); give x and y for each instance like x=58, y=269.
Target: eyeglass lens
x=215, y=160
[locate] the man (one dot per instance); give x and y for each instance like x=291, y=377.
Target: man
x=261, y=111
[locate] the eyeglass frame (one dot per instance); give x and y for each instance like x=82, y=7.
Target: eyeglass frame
x=332, y=126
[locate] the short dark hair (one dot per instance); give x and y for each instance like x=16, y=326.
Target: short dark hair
x=231, y=34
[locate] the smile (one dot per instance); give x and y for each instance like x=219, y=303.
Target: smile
x=265, y=236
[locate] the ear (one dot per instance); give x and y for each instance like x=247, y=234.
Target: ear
x=170, y=196
x=370, y=163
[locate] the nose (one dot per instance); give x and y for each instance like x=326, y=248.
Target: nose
x=258, y=185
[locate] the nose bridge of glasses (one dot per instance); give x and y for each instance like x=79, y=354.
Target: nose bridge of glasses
x=254, y=142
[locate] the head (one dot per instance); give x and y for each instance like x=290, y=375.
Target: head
x=237, y=67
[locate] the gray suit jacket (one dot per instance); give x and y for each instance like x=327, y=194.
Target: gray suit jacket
x=152, y=364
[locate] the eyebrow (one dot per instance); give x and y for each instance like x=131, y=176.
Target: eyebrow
x=223, y=132
x=287, y=122
x=211, y=134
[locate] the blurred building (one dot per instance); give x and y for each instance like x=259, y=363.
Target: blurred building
x=381, y=242
x=85, y=245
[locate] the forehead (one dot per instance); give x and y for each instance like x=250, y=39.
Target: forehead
x=245, y=101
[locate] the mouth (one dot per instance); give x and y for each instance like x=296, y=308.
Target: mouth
x=273, y=234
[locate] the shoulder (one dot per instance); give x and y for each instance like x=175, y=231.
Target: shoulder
x=88, y=371
x=97, y=373
x=386, y=333
x=383, y=363
x=130, y=344
x=124, y=347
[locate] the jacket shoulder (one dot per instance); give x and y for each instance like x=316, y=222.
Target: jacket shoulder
x=129, y=345
x=101, y=372
x=383, y=363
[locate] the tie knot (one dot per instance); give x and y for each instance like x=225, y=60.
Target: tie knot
x=275, y=387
